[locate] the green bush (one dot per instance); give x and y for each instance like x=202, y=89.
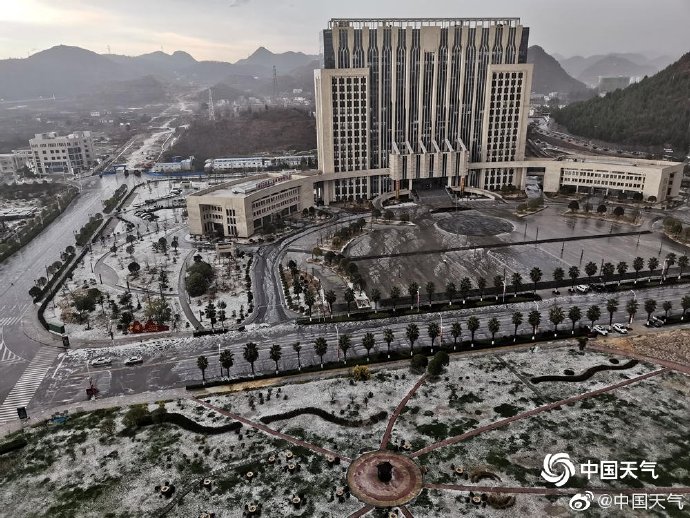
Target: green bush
x=419, y=362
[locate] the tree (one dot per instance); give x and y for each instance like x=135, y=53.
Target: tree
x=133, y=268
x=309, y=300
x=498, y=284
x=349, y=299
x=456, y=332
x=465, y=287
x=649, y=308
x=433, y=329
x=175, y=244
x=435, y=367
x=682, y=264
x=413, y=291
x=430, y=288
x=321, y=348
x=196, y=284
x=375, y=298
x=601, y=209
x=631, y=308
x=83, y=304
x=388, y=215
x=607, y=271
x=559, y=275
x=126, y=318
x=388, y=337
x=330, y=298
x=593, y=314
x=622, y=269
x=638, y=264
x=685, y=304
x=666, y=306
x=163, y=245
x=534, y=319
x=481, y=284
x=493, y=325
x=368, y=342
x=316, y=252
x=472, y=327
x=591, y=269
x=671, y=259
x=575, y=315
x=129, y=250
x=35, y=292
x=574, y=206
x=517, y=322
x=375, y=213
x=394, y=296
x=158, y=310
x=535, y=275
x=211, y=313
x=275, y=353
x=418, y=363
x=344, y=343
x=227, y=360
x=574, y=274
x=251, y=354
x=652, y=264
x=556, y=316
x=516, y=282
x=202, y=363
x=412, y=333
x=619, y=212
x=611, y=307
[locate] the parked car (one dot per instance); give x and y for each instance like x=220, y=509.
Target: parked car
x=134, y=360
x=600, y=330
x=620, y=328
x=100, y=362
x=582, y=288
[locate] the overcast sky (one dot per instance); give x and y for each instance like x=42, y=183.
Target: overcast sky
x=231, y=29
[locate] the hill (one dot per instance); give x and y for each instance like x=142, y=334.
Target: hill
x=614, y=66
x=263, y=59
x=653, y=112
x=549, y=75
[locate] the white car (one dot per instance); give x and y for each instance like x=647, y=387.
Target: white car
x=134, y=360
x=600, y=330
x=620, y=328
x=100, y=362
x=582, y=288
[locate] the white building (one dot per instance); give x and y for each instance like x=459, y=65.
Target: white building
x=175, y=166
x=73, y=153
x=257, y=162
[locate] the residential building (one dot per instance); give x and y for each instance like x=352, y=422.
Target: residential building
x=73, y=153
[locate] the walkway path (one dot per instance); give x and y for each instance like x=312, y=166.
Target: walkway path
x=533, y=412
x=271, y=431
x=625, y=352
x=558, y=491
x=361, y=512
x=398, y=409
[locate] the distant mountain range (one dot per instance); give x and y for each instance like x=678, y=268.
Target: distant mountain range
x=549, y=75
x=588, y=69
x=66, y=71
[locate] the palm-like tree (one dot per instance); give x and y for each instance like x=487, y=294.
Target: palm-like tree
x=456, y=331
x=395, y=295
x=685, y=304
x=430, y=288
x=227, y=360
x=297, y=347
x=309, y=300
x=251, y=354
x=574, y=274
x=388, y=337
x=638, y=264
x=556, y=316
x=575, y=315
x=321, y=348
x=433, y=329
x=516, y=281
x=593, y=314
x=652, y=264
x=330, y=297
x=472, y=326
x=344, y=344
x=412, y=291
x=649, y=308
x=535, y=275
x=517, y=322
x=611, y=307
x=591, y=269
x=667, y=306
x=622, y=269
x=671, y=259
x=375, y=298
x=451, y=292
x=682, y=264
x=349, y=299
x=275, y=353
x=465, y=287
x=607, y=272
x=498, y=285
x=631, y=308
x=559, y=275
x=368, y=342
x=412, y=333
x=481, y=284
x=202, y=363
x=534, y=319
x=493, y=326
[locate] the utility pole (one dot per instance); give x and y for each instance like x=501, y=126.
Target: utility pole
x=275, y=83
x=211, y=108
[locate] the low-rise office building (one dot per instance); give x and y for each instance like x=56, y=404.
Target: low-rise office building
x=73, y=153
x=258, y=162
x=176, y=166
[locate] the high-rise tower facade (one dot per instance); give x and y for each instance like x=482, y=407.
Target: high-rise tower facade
x=438, y=100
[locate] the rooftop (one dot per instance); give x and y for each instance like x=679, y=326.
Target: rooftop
x=611, y=160
x=372, y=23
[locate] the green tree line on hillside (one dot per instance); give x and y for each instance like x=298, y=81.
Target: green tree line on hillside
x=653, y=112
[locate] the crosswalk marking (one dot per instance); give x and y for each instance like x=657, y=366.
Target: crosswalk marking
x=25, y=388
x=7, y=356
x=10, y=321
x=12, y=315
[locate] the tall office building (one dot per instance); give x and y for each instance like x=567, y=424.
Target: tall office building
x=71, y=153
x=443, y=101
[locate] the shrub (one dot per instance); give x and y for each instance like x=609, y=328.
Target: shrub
x=419, y=362
x=136, y=416
x=435, y=367
x=361, y=373
x=443, y=357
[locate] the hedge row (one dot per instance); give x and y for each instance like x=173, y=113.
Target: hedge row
x=584, y=376
x=326, y=416
x=13, y=445
x=112, y=202
x=186, y=423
